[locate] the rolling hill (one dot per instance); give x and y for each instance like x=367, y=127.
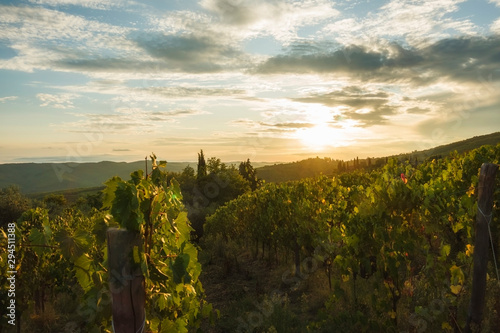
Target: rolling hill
x=315, y=166
x=53, y=177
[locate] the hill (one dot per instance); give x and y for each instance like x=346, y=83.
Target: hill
x=310, y=167
x=71, y=195
x=73, y=178
x=315, y=166
x=52, y=177
x=460, y=146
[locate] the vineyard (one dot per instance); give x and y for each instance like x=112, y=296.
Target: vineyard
x=65, y=261
x=396, y=243
x=391, y=248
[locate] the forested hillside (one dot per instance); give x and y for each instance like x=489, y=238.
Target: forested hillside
x=313, y=167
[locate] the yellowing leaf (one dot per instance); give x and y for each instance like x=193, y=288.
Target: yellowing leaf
x=470, y=191
x=457, y=275
x=392, y=314
x=456, y=289
x=345, y=277
x=446, y=326
x=190, y=289
x=470, y=250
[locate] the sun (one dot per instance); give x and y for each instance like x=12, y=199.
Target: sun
x=317, y=137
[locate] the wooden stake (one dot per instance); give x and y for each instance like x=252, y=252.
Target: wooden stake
x=126, y=281
x=486, y=189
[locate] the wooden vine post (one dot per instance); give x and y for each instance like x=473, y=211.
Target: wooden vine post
x=486, y=189
x=126, y=281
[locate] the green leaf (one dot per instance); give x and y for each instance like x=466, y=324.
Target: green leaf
x=180, y=326
x=168, y=326
x=176, y=190
x=82, y=239
x=47, y=231
x=99, y=230
x=125, y=207
x=156, y=274
x=206, y=310
x=179, y=267
x=72, y=245
x=182, y=225
x=162, y=301
x=135, y=252
x=137, y=176
x=109, y=191
x=82, y=272
x=154, y=323
x=38, y=238
x=457, y=227
x=445, y=250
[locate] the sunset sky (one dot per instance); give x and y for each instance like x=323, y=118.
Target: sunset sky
x=275, y=80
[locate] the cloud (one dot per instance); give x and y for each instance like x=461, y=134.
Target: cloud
x=127, y=120
x=8, y=98
x=417, y=110
x=495, y=27
x=288, y=125
x=352, y=96
x=192, y=92
x=416, y=23
x=421, y=20
x=94, y=4
x=41, y=37
x=61, y=101
x=471, y=111
x=171, y=116
x=496, y=2
x=105, y=65
x=231, y=139
x=349, y=60
x=191, y=53
x=31, y=24
x=278, y=18
x=461, y=59
x=364, y=106
x=262, y=126
x=466, y=58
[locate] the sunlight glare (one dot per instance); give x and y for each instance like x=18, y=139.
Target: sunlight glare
x=319, y=137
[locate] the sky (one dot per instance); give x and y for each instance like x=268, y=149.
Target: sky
x=272, y=81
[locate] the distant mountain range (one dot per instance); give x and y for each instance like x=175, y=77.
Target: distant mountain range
x=52, y=177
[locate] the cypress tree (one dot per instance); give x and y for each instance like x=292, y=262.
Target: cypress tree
x=202, y=166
